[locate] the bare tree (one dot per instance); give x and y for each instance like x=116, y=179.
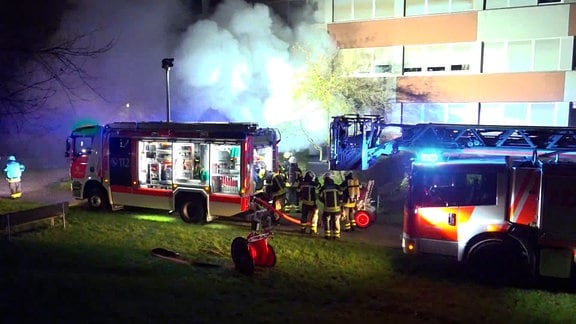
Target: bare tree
x=38, y=73
x=35, y=63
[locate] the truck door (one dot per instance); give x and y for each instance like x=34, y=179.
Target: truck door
x=434, y=216
x=557, y=239
x=451, y=203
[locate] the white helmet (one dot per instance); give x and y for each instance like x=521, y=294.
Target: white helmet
x=11, y=158
x=292, y=160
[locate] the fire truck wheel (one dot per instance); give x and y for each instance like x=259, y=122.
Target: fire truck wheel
x=97, y=199
x=498, y=261
x=193, y=212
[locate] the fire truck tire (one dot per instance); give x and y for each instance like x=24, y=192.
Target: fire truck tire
x=193, y=212
x=498, y=261
x=97, y=199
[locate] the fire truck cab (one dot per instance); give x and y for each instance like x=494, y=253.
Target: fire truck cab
x=506, y=218
x=500, y=199
x=200, y=170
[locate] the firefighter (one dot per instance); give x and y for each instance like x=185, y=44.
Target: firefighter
x=258, y=177
x=277, y=192
x=331, y=197
x=13, y=171
x=307, y=196
x=294, y=178
x=350, y=194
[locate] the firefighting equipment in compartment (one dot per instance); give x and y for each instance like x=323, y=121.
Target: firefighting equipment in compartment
x=331, y=197
x=307, y=196
x=350, y=195
x=13, y=171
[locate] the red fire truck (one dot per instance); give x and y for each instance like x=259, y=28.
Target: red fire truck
x=200, y=170
x=501, y=199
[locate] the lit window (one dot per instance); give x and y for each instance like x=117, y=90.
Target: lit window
x=546, y=56
x=362, y=9
x=519, y=56
x=342, y=10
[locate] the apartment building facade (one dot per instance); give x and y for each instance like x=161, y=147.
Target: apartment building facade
x=493, y=62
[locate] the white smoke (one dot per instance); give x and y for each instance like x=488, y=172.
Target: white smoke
x=239, y=65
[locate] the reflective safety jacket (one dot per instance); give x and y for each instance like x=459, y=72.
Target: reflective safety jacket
x=14, y=170
x=278, y=185
x=331, y=197
x=307, y=193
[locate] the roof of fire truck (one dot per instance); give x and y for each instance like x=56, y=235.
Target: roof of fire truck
x=358, y=141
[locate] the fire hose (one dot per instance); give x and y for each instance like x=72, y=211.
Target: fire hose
x=271, y=208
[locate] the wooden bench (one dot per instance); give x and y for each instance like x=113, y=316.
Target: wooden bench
x=10, y=220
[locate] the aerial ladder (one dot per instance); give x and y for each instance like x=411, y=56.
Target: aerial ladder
x=358, y=141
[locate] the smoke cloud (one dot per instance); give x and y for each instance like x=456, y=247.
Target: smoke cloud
x=236, y=65
x=239, y=65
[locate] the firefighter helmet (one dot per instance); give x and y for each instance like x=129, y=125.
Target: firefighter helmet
x=309, y=175
x=328, y=178
x=349, y=175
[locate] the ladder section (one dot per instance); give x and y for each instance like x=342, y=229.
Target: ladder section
x=358, y=141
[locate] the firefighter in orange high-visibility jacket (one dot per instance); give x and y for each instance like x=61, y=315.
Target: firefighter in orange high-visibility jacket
x=307, y=196
x=331, y=197
x=350, y=193
x=13, y=171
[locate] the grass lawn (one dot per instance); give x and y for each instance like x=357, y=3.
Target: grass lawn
x=100, y=269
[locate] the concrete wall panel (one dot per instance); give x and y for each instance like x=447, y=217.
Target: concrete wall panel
x=498, y=87
x=432, y=29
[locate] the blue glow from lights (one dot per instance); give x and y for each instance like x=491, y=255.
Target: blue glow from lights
x=429, y=156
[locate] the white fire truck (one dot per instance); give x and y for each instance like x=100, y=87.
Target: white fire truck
x=200, y=170
x=501, y=199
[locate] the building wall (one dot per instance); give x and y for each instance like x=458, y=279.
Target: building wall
x=518, y=59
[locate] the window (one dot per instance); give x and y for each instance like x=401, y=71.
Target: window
x=444, y=58
x=363, y=9
x=415, y=7
x=519, y=56
x=438, y=6
x=366, y=61
x=345, y=10
x=535, y=114
x=441, y=187
x=493, y=54
x=494, y=4
x=387, y=8
x=422, y=7
x=462, y=5
x=444, y=113
x=342, y=10
x=82, y=145
x=547, y=54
